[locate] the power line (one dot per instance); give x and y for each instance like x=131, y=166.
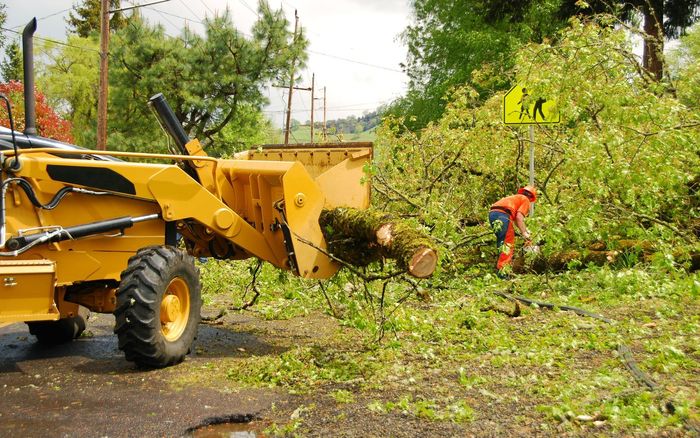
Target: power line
x=52, y=41
x=249, y=8
x=191, y=11
x=207, y=7
x=176, y=16
x=310, y=51
x=138, y=6
x=45, y=17
x=356, y=62
x=166, y=18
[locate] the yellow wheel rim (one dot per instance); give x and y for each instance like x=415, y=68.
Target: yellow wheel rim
x=175, y=309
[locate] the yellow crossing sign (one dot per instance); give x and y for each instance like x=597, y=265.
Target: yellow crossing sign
x=523, y=107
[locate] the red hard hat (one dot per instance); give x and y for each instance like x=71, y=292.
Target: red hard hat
x=529, y=190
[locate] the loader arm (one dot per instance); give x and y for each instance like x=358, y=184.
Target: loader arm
x=242, y=207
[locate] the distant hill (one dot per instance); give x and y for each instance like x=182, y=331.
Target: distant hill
x=353, y=124
x=352, y=128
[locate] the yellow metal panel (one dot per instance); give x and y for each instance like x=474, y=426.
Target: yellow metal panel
x=182, y=200
x=71, y=266
x=303, y=202
x=90, y=258
x=346, y=184
x=258, y=186
x=27, y=290
x=339, y=169
x=205, y=169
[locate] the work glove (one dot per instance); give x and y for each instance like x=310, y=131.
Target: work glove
x=531, y=247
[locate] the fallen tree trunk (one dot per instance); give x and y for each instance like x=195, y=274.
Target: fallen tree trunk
x=561, y=261
x=360, y=237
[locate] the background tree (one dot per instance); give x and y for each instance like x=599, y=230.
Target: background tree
x=68, y=74
x=84, y=18
x=11, y=66
x=661, y=19
x=48, y=122
x=210, y=81
x=452, y=39
x=3, y=17
x=685, y=68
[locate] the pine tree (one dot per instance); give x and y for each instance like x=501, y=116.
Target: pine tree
x=11, y=66
x=86, y=19
x=3, y=17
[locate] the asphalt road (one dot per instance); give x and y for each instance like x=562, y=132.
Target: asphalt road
x=87, y=389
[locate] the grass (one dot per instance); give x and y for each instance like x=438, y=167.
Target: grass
x=458, y=358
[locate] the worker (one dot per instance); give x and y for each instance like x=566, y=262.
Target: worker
x=501, y=217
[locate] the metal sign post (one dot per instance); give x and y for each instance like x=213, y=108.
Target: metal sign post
x=532, y=165
x=523, y=107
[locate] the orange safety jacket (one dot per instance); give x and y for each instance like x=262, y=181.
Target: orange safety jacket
x=511, y=205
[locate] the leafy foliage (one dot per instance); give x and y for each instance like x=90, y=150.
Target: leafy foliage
x=685, y=61
x=3, y=18
x=446, y=48
x=667, y=19
x=68, y=75
x=213, y=80
x=456, y=360
x=618, y=166
x=11, y=66
x=48, y=122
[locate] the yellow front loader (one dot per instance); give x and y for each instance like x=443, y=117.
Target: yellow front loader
x=87, y=229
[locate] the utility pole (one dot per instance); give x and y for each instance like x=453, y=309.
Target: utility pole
x=291, y=83
x=104, y=80
x=103, y=93
x=325, y=134
x=313, y=77
x=287, y=116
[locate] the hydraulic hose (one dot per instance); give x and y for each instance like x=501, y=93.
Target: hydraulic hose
x=32, y=196
x=29, y=191
x=77, y=231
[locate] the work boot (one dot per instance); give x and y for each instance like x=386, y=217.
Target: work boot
x=503, y=275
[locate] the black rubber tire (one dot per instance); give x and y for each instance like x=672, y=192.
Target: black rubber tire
x=138, y=313
x=61, y=331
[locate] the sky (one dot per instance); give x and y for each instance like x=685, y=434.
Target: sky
x=354, y=46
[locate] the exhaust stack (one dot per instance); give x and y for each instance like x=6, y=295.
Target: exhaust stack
x=28, y=63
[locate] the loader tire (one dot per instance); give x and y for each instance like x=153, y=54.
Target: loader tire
x=61, y=331
x=158, y=305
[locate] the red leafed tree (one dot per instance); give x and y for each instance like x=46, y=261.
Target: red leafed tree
x=48, y=123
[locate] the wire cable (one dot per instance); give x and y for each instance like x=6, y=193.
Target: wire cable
x=622, y=350
x=88, y=49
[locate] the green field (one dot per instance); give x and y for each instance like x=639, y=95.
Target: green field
x=303, y=135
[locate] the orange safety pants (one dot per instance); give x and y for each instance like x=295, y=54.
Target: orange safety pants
x=502, y=227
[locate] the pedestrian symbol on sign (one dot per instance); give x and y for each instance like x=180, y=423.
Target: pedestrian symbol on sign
x=523, y=107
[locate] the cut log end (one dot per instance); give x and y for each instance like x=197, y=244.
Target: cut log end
x=385, y=235
x=423, y=263
x=361, y=236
